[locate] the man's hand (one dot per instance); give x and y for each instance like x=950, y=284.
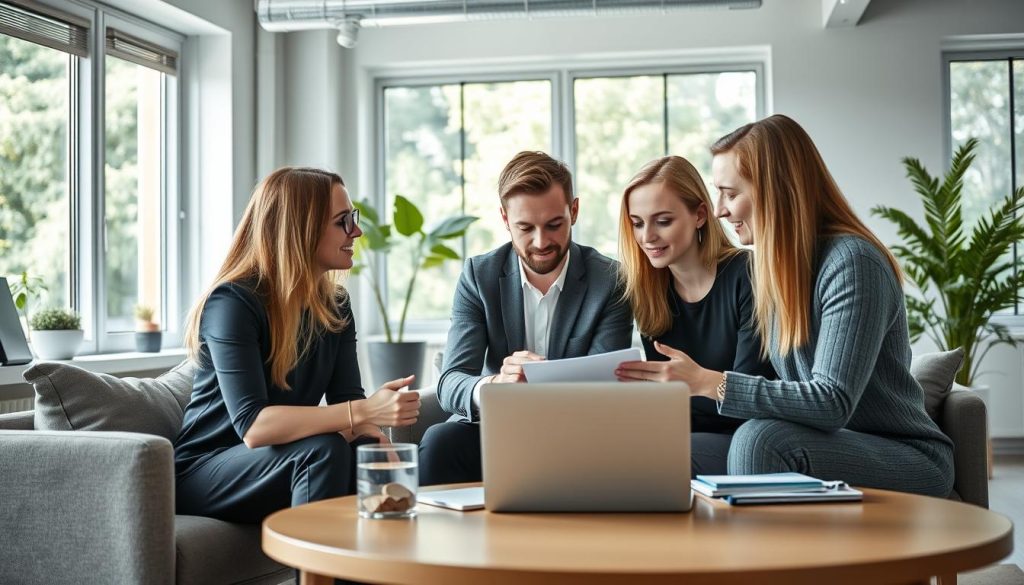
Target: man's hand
x=512, y=368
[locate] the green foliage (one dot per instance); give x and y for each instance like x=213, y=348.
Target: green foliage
x=144, y=313
x=428, y=248
x=56, y=320
x=962, y=278
x=24, y=288
x=34, y=209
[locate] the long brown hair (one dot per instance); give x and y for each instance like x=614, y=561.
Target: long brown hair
x=795, y=203
x=645, y=286
x=275, y=248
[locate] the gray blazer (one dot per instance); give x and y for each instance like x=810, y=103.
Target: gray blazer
x=487, y=319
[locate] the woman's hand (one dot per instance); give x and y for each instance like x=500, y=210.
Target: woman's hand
x=366, y=430
x=679, y=368
x=389, y=407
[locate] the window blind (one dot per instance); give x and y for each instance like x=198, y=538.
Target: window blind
x=125, y=46
x=45, y=26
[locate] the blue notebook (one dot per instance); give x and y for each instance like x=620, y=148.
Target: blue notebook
x=835, y=493
x=717, y=486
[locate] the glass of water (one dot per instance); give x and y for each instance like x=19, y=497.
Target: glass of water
x=386, y=478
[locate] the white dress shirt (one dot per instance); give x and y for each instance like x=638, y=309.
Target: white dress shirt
x=538, y=314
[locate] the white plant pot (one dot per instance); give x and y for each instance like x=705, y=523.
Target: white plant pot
x=57, y=345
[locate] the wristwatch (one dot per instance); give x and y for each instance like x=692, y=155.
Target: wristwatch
x=720, y=389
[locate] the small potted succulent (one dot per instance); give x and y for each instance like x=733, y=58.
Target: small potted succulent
x=148, y=336
x=56, y=333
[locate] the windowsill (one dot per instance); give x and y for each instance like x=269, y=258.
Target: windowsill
x=108, y=363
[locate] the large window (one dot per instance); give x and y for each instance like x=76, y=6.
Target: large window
x=445, y=147
x=35, y=122
x=986, y=101
x=445, y=142
x=88, y=163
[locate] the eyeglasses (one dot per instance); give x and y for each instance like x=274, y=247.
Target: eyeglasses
x=349, y=221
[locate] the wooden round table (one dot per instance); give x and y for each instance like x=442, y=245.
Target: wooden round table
x=888, y=538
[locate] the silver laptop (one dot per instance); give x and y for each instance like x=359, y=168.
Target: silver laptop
x=586, y=447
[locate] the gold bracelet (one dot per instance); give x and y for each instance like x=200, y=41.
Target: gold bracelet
x=720, y=389
x=351, y=421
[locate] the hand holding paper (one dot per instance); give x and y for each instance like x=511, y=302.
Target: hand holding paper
x=591, y=368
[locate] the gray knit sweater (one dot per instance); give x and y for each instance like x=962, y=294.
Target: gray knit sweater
x=854, y=372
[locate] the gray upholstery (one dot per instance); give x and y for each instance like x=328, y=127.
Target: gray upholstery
x=92, y=506
x=211, y=552
x=87, y=506
x=963, y=419
x=69, y=398
x=935, y=373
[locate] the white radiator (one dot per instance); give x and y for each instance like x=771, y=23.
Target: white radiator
x=17, y=405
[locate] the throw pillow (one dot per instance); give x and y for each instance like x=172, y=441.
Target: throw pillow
x=69, y=398
x=935, y=373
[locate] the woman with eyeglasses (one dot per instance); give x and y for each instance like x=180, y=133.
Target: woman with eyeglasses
x=272, y=337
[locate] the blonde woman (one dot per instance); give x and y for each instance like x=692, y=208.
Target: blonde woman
x=829, y=302
x=273, y=336
x=689, y=289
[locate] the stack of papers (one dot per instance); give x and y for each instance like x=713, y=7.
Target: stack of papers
x=773, y=488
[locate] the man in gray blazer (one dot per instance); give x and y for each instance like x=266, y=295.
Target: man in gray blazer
x=541, y=296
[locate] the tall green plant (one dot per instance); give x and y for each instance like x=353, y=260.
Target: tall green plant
x=961, y=278
x=428, y=249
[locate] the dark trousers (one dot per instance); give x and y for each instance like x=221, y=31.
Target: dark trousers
x=240, y=484
x=450, y=453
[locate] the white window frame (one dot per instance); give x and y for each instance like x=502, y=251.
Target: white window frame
x=995, y=49
x=562, y=73
x=86, y=179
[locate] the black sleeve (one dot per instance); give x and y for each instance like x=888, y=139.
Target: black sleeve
x=346, y=383
x=748, y=358
x=230, y=329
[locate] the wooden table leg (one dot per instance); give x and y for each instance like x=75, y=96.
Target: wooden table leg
x=307, y=578
x=945, y=579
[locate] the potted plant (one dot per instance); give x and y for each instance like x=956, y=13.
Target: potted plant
x=147, y=332
x=395, y=358
x=961, y=278
x=57, y=333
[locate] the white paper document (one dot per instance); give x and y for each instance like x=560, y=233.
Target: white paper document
x=462, y=499
x=592, y=368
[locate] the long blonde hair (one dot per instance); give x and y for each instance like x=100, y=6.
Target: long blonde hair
x=795, y=203
x=275, y=248
x=645, y=286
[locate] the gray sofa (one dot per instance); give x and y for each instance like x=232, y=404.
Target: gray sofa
x=98, y=506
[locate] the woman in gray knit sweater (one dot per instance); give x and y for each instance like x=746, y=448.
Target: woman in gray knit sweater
x=828, y=301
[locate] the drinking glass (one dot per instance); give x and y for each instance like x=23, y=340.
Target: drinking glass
x=386, y=480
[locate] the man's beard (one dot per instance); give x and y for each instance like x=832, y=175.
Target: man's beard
x=542, y=266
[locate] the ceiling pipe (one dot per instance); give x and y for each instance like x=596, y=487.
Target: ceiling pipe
x=348, y=16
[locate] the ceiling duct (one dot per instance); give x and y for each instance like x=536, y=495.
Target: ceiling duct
x=348, y=16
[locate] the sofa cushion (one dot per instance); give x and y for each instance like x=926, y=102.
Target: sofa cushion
x=209, y=551
x=935, y=372
x=69, y=398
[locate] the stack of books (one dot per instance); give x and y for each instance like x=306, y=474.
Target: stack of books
x=773, y=488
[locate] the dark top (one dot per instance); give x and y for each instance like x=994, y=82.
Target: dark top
x=232, y=382
x=718, y=333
